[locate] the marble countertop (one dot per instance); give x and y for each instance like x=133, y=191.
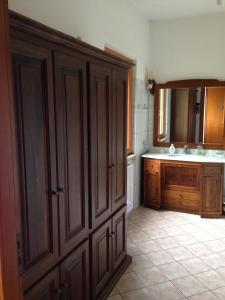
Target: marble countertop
x=187, y=157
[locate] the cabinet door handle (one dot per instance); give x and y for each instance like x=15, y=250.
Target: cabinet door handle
x=65, y=285
x=61, y=190
x=58, y=292
x=113, y=233
x=55, y=193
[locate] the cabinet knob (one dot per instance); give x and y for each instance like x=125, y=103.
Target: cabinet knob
x=55, y=193
x=58, y=292
x=61, y=190
x=65, y=285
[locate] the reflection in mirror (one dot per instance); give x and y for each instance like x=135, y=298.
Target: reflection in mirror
x=179, y=115
x=191, y=115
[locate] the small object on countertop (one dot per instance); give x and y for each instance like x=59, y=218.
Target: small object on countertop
x=200, y=150
x=172, y=149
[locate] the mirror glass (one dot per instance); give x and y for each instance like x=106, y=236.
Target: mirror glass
x=191, y=115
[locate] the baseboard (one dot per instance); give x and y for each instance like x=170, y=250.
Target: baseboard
x=115, y=278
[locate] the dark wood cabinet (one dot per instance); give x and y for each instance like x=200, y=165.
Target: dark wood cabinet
x=47, y=289
x=119, y=134
x=119, y=224
x=72, y=159
x=101, y=246
x=74, y=272
x=36, y=153
x=152, y=183
x=100, y=79
x=70, y=113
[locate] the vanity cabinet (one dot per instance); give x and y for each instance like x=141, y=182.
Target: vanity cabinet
x=152, y=183
x=184, y=186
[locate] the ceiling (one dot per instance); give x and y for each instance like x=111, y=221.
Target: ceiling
x=165, y=9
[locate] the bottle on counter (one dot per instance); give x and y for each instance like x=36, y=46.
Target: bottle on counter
x=172, y=149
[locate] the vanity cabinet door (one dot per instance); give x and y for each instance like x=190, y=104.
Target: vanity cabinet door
x=212, y=192
x=152, y=194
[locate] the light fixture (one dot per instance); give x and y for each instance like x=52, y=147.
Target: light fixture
x=151, y=86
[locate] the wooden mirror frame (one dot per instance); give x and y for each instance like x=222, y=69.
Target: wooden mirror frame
x=190, y=83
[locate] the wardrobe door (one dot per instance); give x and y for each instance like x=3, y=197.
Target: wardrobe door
x=100, y=142
x=119, y=227
x=37, y=239
x=75, y=274
x=119, y=138
x=101, y=258
x=71, y=116
x=47, y=289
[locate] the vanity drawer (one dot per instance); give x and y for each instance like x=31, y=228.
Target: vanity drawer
x=181, y=200
x=212, y=170
x=151, y=166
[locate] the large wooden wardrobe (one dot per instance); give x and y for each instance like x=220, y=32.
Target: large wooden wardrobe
x=70, y=156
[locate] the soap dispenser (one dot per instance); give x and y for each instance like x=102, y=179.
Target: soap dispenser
x=172, y=149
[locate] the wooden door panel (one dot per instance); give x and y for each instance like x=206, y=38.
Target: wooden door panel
x=101, y=257
x=181, y=176
x=211, y=203
x=71, y=108
x=75, y=274
x=119, y=226
x=47, y=289
x=119, y=133
x=100, y=142
x=34, y=110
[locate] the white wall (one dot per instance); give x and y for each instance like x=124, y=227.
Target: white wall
x=187, y=48
x=97, y=22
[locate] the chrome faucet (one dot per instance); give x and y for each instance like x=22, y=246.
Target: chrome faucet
x=185, y=149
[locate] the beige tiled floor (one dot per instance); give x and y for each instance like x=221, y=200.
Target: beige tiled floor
x=175, y=256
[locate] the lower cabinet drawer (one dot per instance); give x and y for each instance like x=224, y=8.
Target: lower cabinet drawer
x=68, y=281
x=180, y=200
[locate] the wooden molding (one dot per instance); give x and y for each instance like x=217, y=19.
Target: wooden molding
x=9, y=278
x=35, y=29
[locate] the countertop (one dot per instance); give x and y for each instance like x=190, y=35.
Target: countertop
x=187, y=157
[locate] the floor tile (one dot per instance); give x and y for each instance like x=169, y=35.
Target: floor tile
x=185, y=239
x=129, y=282
x=160, y=257
x=151, y=276
x=204, y=296
x=150, y=246
x=211, y=279
x=180, y=253
x=216, y=245
x=173, y=270
x=133, y=250
x=194, y=265
x=141, y=294
x=114, y=292
x=156, y=233
x=166, y=291
x=189, y=228
x=198, y=249
x=221, y=271
x=138, y=236
x=220, y=293
x=214, y=260
x=117, y=297
x=189, y=286
x=173, y=230
x=140, y=262
x=202, y=236
x=167, y=243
